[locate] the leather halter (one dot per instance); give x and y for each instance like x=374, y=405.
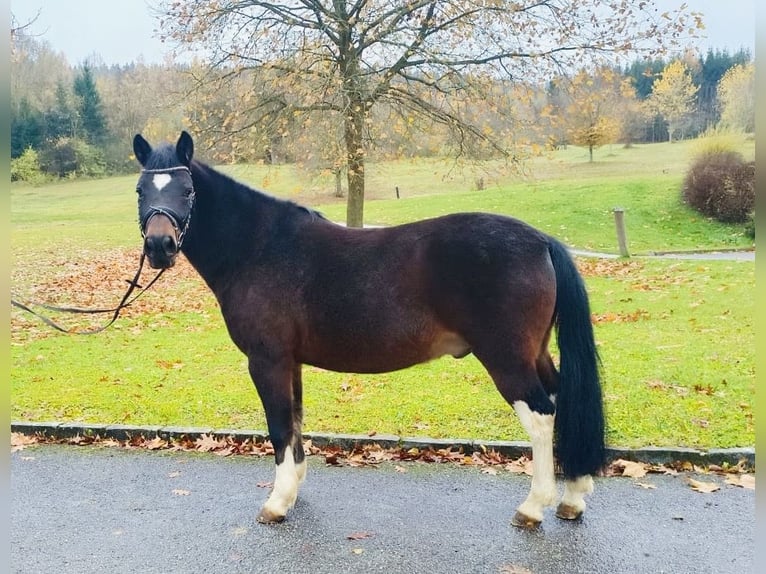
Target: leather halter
x=180, y=224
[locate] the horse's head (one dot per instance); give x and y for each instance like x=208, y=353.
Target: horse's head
x=165, y=197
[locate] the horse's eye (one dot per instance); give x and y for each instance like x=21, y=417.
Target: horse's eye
x=188, y=192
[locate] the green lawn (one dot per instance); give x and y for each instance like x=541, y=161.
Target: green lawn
x=676, y=337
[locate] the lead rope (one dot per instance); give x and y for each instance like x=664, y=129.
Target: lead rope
x=132, y=285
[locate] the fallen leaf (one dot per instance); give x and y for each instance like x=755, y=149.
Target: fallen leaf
x=646, y=485
x=631, y=468
x=514, y=569
x=742, y=480
x=401, y=469
x=156, y=443
x=181, y=492
x=207, y=442
x=359, y=536
x=357, y=550
x=264, y=484
x=521, y=465
x=704, y=487
x=20, y=441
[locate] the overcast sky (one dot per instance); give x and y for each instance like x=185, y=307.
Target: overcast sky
x=125, y=31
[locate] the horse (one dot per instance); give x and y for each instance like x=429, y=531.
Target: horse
x=296, y=289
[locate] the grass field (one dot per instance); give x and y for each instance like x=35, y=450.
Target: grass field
x=676, y=337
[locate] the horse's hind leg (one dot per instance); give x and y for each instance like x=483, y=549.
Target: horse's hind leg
x=274, y=382
x=535, y=413
x=522, y=388
x=572, y=504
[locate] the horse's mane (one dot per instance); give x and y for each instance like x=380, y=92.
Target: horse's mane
x=221, y=179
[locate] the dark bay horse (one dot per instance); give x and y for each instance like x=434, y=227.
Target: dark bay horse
x=297, y=289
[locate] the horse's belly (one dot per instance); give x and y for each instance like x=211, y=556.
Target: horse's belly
x=386, y=354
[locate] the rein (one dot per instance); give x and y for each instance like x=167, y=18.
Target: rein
x=181, y=225
x=124, y=302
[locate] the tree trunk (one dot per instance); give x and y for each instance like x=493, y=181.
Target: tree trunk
x=355, y=156
x=590, y=152
x=338, y=183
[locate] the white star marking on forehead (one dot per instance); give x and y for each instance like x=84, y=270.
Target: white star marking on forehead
x=160, y=180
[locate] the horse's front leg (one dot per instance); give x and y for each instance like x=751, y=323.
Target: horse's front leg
x=297, y=442
x=274, y=382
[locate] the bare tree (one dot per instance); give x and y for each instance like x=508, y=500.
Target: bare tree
x=431, y=59
x=21, y=28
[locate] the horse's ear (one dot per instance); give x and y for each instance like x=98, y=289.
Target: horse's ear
x=185, y=148
x=141, y=149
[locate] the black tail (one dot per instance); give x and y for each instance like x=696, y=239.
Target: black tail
x=579, y=423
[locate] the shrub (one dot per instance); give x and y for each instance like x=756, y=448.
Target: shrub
x=26, y=167
x=750, y=225
x=721, y=184
x=70, y=157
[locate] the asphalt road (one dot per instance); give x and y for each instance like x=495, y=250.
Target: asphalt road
x=107, y=510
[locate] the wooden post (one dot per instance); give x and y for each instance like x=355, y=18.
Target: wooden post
x=397, y=192
x=619, y=223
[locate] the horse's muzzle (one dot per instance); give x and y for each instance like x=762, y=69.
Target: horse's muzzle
x=160, y=242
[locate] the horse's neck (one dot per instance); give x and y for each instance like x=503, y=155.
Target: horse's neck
x=227, y=225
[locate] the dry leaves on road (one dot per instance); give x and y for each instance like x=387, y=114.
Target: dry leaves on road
x=741, y=480
x=486, y=460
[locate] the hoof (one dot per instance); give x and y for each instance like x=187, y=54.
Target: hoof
x=267, y=517
x=521, y=520
x=568, y=512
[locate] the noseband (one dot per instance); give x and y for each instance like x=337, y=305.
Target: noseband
x=180, y=224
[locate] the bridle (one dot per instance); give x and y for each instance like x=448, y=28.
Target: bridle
x=180, y=224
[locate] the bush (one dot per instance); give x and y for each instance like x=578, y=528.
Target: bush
x=69, y=157
x=26, y=167
x=721, y=184
x=750, y=225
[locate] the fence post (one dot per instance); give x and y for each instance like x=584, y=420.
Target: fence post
x=619, y=223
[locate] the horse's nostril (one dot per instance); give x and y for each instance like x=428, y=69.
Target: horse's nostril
x=169, y=245
x=164, y=245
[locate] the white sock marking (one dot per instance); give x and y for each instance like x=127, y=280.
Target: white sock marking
x=540, y=429
x=300, y=470
x=575, y=491
x=285, y=490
